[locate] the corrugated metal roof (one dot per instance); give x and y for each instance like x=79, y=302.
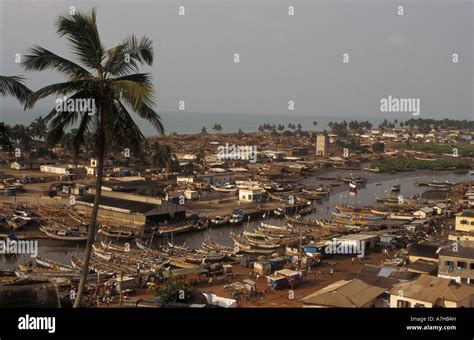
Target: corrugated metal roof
x=353, y=293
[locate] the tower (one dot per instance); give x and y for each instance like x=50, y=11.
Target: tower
x=322, y=144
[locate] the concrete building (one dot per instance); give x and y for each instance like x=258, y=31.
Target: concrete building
x=322, y=145
x=456, y=262
x=465, y=221
x=431, y=291
x=344, y=294
x=250, y=195
x=131, y=211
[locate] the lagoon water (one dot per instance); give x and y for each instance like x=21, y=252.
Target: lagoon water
x=365, y=196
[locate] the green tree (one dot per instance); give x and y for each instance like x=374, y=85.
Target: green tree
x=173, y=291
x=378, y=147
x=111, y=79
x=162, y=155
x=39, y=128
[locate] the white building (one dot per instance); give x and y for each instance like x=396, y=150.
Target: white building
x=250, y=195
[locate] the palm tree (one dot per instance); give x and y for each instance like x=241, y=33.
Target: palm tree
x=39, y=128
x=111, y=80
x=14, y=86
x=11, y=86
x=162, y=155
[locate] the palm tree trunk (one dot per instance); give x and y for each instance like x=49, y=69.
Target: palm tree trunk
x=93, y=223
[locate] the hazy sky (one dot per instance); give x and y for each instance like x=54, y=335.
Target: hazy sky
x=282, y=57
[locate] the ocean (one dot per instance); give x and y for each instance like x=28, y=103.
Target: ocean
x=188, y=122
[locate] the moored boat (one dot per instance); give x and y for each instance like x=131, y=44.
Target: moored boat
x=237, y=216
x=64, y=234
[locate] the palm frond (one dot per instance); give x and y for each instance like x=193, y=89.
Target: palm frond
x=134, y=93
x=60, y=89
x=14, y=86
x=124, y=128
x=125, y=58
x=81, y=31
x=40, y=59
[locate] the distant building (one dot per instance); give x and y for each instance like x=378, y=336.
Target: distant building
x=322, y=145
x=251, y=195
x=423, y=213
x=465, y=221
x=26, y=165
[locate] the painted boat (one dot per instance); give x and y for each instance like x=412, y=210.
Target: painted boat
x=181, y=263
x=16, y=223
x=47, y=263
x=237, y=216
x=24, y=215
x=273, y=227
x=219, y=220
x=116, y=233
x=176, y=228
x=64, y=234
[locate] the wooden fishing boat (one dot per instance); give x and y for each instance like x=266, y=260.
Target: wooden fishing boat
x=317, y=191
x=307, y=223
x=103, y=255
x=94, y=266
x=76, y=217
x=176, y=228
x=214, y=246
x=353, y=209
x=219, y=220
x=254, y=233
x=47, y=263
x=327, y=178
x=358, y=216
x=116, y=233
x=237, y=216
x=226, y=188
x=42, y=274
x=419, y=183
x=371, y=169
x=24, y=215
x=16, y=223
x=259, y=243
x=356, y=180
x=116, y=248
x=273, y=227
x=181, y=263
x=64, y=234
